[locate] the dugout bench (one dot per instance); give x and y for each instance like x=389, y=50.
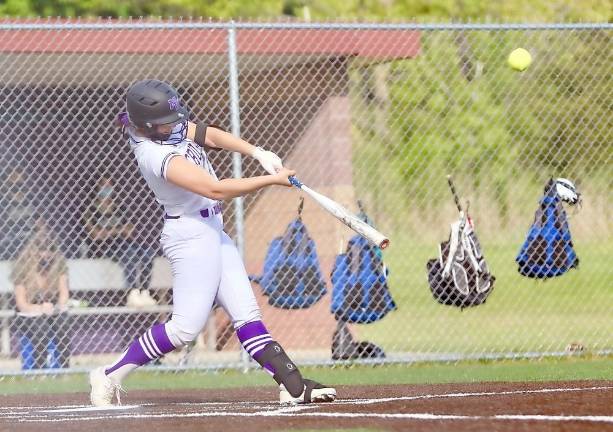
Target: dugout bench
x=96, y=280
x=93, y=280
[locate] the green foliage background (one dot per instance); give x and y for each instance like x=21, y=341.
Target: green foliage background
x=459, y=108
x=537, y=10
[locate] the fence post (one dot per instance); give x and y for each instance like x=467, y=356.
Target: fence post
x=237, y=161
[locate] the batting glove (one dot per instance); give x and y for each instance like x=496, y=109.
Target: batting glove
x=269, y=161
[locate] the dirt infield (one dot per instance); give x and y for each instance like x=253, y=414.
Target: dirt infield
x=568, y=406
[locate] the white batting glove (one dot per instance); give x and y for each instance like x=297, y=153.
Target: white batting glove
x=269, y=161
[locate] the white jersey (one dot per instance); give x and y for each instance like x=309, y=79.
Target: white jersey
x=153, y=158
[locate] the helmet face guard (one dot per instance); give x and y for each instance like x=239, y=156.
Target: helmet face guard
x=173, y=133
x=154, y=103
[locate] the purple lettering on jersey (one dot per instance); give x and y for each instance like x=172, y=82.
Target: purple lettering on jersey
x=194, y=154
x=173, y=103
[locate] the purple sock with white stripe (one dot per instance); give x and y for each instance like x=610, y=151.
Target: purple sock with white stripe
x=254, y=337
x=153, y=344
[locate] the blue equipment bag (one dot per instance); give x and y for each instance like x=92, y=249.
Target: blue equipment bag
x=360, y=292
x=27, y=354
x=548, y=249
x=292, y=276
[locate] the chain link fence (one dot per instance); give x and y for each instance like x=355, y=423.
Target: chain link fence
x=369, y=113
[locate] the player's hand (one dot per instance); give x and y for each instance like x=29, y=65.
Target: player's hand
x=46, y=308
x=281, y=178
x=269, y=161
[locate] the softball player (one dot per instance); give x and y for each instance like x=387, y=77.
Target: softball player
x=205, y=263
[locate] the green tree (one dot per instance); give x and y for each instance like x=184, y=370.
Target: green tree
x=136, y=8
x=459, y=108
x=534, y=10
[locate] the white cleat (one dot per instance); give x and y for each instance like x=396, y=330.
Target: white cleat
x=313, y=393
x=102, y=389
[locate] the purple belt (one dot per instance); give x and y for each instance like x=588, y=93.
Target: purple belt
x=205, y=213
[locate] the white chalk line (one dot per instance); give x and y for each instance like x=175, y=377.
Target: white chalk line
x=34, y=407
x=295, y=410
x=264, y=404
x=472, y=394
x=286, y=410
x=90, y=408
x=392, y=416
x=42, y=407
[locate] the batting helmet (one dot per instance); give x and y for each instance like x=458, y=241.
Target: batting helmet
x=151, y=103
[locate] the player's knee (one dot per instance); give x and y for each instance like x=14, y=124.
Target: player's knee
x=180, y=334
x=253, y=315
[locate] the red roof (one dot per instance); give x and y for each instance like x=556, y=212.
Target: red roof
x=374, y=44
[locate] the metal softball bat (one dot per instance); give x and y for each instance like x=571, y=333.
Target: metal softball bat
x=344, y=215
x=456, y=198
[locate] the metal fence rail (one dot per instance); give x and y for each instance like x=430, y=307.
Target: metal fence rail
x=379, y=113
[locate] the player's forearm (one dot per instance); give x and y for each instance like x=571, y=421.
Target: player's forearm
x=26, y=307
x=235, y=187
x=230, y=188
x=64, y=294
x=187, y=175
x=227, y=141
x=22, y=303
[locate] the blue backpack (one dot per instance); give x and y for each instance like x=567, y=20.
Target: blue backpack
x=548, y=250
x=360, y=292
x=292, y=277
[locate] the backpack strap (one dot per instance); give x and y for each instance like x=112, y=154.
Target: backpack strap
x=294, y=237
x=454, y=243
x=353, y=255
x=470, y=251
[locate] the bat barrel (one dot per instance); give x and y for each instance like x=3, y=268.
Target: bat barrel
x=343, y=215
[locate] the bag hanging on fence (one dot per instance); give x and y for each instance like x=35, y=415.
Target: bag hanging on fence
x=548, y=249
x=460, y=275
x=360, y=292
x=292, y=277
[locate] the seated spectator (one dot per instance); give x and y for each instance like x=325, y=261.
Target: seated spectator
x=110, y=235
x=18, y=216
x=40, y=278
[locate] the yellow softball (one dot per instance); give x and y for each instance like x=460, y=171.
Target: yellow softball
x=519, y=59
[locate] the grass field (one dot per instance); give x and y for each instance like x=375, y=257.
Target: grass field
x=559, y=369
x=521, y=315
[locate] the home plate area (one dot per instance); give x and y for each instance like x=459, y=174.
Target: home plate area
x=570, y=406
